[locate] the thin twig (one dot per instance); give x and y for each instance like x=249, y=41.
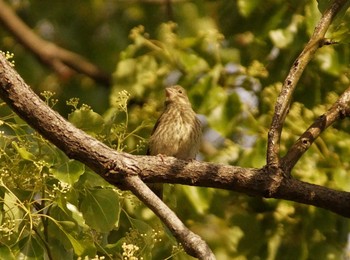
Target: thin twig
x=193, y=244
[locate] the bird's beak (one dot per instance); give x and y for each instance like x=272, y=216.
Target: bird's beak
x=169, y=93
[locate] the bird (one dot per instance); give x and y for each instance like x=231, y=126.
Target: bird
x=177, y=132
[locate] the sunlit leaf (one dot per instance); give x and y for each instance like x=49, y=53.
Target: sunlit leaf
x=23, y=152
x=341, y=178
x=247, y=7
x=87, y=120
x=126, y=68
x=199, y=198
x=68, y=172
x=192, y=62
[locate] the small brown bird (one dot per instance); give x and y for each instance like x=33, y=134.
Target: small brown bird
x=177, y=132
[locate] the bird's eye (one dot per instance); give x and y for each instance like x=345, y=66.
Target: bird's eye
x=180, y=91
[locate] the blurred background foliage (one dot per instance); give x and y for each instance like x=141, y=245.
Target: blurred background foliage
x=232, y=57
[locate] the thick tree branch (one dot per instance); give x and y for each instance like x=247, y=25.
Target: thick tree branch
x=62, y=61
x=299, y=65
x=84, y=148
x=114, y=166
x=250, y=181
x=339, y=110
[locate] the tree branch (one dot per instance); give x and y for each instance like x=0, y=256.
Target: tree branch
x=114, y=166
x=62, y=61
x=339, y=110
x=250, y=181
x=192, y=243
x=289, y=85
x=84, y=148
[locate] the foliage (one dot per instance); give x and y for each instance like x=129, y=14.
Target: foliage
x=54, y=206
x=232, y=57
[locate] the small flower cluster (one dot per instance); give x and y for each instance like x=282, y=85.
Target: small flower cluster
x=4, y=173
x=156, y=235
x=47, y=95
x=122, y=100
x=129, y=250
x=7, y=228
x=61, y=187
x=177, y=249
x=9, y=56
x=73, y=102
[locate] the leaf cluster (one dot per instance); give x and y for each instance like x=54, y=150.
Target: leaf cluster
x=232, y=57
x=54, y=207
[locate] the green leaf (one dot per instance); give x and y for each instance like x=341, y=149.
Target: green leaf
x=22, y=151
x=323, y=5
x=112, y=248
x=329, y=61
x=222, y=103
x=198, y=197
x=75, y=215
x=341, y=177
x=87, y=120
x=30, y=248
x=254, y=157
x=247, y=7
x=63, y=227
x=100, y=208
x=67, y=225
x=125, y=68
x=68, y=172
x=192, y=62
x=6, y=253
x=11, y=210
x=339, y=29
x=140, y=225
x=90, y=179
x=58, y=250
x=79, y=246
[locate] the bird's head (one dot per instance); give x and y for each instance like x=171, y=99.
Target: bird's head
x=176, y=94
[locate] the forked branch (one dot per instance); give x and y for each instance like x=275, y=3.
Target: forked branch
x=284, y=99
x=86, y=149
